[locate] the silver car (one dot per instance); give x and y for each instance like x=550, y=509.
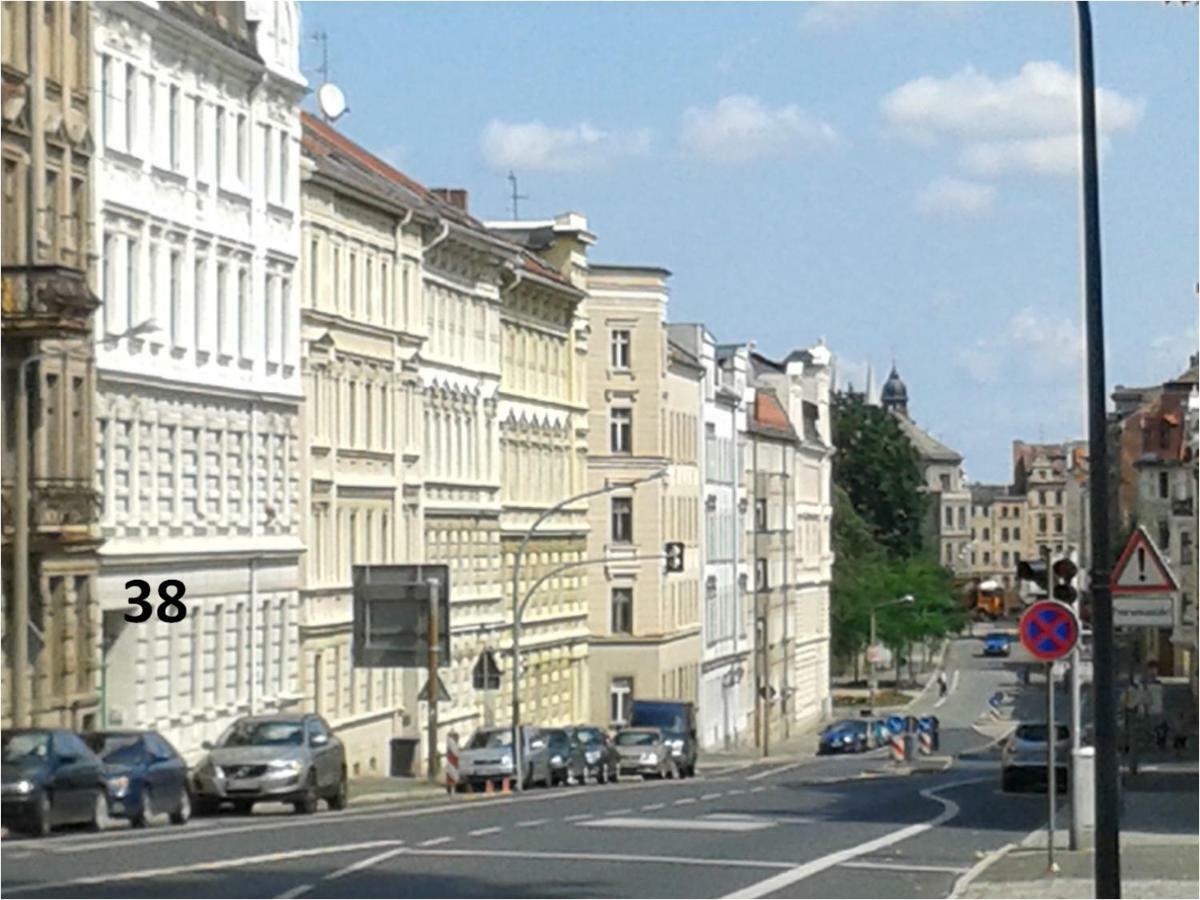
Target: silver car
x=283, y=758
x=487, y=757
x=1023, y=759
x=643, y=751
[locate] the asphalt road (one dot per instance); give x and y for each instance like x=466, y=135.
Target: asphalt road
x=834, y=827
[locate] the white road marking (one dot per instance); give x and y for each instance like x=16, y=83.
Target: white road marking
x=577, y=817
x=650, y=806
x=972, y=873
x=532, y=823
x=609, y=857
x=757, y=790
x=711, y=796
x=808, y=869
x=618, y=812
x=767, y=773
x=677, y=824
x=298, y=891
x=218, y=865
x=480, y=832
x=433, y=842
x=685, y=801
x=903, y=867
x=773, y=820
x=364, y=864
x=733, y=792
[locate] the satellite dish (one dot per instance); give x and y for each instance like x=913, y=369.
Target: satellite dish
x=331, y=100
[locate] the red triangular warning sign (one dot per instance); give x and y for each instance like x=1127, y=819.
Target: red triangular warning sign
x=1141, y=568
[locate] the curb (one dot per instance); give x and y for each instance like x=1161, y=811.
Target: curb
x=966, y=879
x=393, y=796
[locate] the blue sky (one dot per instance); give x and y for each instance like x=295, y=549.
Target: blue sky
x=896, y=178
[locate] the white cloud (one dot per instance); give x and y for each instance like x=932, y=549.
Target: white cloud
x=1032, y=346
x=954, y=196
x=534, y=146
x=831, y=15
x=739, y=129
x=1026, y=123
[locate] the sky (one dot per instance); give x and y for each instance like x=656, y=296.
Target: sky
x=897, y=179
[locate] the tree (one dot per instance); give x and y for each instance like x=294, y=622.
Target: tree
x=878, y=467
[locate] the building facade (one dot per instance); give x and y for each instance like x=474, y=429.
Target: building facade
x=51, y=669
x=644, y=419
x=198, y=210
x=361, y=332
x=1000, y=536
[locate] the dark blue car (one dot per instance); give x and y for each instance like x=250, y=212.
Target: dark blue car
x=846, y=736
x=996, y=644
x=144, y=775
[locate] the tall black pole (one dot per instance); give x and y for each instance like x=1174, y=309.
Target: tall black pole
x=1107, y=850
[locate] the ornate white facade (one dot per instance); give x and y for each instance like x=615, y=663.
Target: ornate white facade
x=198, y=440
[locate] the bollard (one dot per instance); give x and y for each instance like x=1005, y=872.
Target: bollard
x=897, y=741
x=451, y=762
x=926, y=743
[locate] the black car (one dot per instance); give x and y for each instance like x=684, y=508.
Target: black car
x=144, y=774
x=603, y=761
x=676, y=719
x=846, y=736
x=567, y=762
x=50, y=778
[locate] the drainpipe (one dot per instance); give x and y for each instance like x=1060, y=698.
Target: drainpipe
x=788, y=511
x=252, y=574
x=442, y=235
x=737, y=523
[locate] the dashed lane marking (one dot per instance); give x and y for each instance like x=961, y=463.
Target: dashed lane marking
x=578, y=817
x=532, y=823
x=711, y=796
x=757, y=790
x=433, y=842
x=784, y=819
x=217, y=865
x=363, y=864
x=298, y=891
x=618, y=812
x=650, y=806
x=733, y=792
x=678, y=824
x=480, y=832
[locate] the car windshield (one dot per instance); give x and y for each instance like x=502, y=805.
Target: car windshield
x=668, y=717
x=1037, y=733
x=259, y=733
x=847, y=726
x=485, y=739
x=116, y=748
x=997, y=639
x=556, y=738
x=28, y=745
x=636, y=738
x=590, y=735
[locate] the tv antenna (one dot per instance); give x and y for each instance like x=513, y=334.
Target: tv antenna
x=330, y=99
x=516, y=198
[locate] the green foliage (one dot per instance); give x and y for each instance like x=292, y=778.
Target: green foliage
x=878, y=467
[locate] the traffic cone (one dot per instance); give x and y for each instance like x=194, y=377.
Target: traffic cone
x=505, y=787
x=488, y=789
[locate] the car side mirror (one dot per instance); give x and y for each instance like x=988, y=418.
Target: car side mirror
x=319, y=740
x=206, y=745
x=67, y=758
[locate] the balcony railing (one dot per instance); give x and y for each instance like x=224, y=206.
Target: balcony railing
x=47, y=301
x=56, y=505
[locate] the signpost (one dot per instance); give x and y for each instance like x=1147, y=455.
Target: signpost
x=1143, y=585
x=1049, y=630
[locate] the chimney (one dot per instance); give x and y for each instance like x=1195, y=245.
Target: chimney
x=456, y=197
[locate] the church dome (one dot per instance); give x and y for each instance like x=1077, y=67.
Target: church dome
x=894, y=394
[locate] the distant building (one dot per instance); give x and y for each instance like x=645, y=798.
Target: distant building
x=1000, y=537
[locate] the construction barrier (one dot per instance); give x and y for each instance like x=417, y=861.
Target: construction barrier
x=897, y=741
x=451, y=762
x=926, y=739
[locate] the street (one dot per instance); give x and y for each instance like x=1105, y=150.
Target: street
x=845, y=826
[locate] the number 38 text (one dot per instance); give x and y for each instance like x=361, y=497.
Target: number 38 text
x=171, y=609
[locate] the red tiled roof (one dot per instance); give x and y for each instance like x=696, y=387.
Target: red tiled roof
x=769, y=415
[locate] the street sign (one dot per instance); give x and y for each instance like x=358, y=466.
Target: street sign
x=1144, y=611
x=443, y=694
x=1140, y=568
x=391, y=615
x=1049, y=630
x=874, y=654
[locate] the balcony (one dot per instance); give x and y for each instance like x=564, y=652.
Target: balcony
x=1184, y=507
x=47, y=301
x=62, y=507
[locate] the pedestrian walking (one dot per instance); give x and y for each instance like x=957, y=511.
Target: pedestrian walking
x=943, y=687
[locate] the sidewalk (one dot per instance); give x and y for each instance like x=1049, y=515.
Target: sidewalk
x=797, y=746
x=381, y=789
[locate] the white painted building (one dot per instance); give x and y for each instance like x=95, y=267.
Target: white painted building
x=726, y=699
x=197, y=192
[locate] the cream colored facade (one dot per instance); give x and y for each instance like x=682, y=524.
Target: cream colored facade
x=1000, y=536
x=644, y=401
x=361, y=330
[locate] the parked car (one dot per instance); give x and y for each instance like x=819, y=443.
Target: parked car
x=997, y=644
x=568, y=765
x=487, y=757
x=144, y=774
x=284, y=758
x=603, y=761
x=644, y=751
x=846, y=736
x=676, y=719
x=1023, y=759
x=49, y=777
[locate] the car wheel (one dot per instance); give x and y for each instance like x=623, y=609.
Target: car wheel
x=142, y=816
x=39, y=825
x=206, y=807
x=100, y=818
x=183, y=809
x=307, y=804
x=1007, y=784
x=341, y=794
x=601, y=774
x=243, y=807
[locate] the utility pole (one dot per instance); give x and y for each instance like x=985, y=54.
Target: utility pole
x=1107, y=856
x=516, y=198
x=433, y=685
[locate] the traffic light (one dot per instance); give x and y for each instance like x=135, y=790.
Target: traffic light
x=673, y=550
x=1033, y=570
x=1064, y=576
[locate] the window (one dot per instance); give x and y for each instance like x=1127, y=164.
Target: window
x=987, y=534
x=1058, y=498
x=620, y=695
x=620, y=349
x=1164, y=534
x=1041, y=498
x=198, y=138
x=1016, y=534
x=176, y=298
x=130, y=101
x=173, y=126
x=243, y=314
x=268, y=162
x=1185, y=547
x=283, y=167
x=949, y=517
x=106, y=98
x=760, y=515
x=622, y=519
x=220, y=145
x=761, y=581
x=972, y=534
x=314, y=291
x=223, y=334
x=1164, y=487
x=1004, y=512
x=620, y=430
x=1042, y=524
x=201, y=304
x=1004, y=557
x=622, y=610
x=962, y=517
x=945, y=479
x=242, y=150
x=1003, y=534
x=1058, y=524
x=132, y=261
x=987, y=557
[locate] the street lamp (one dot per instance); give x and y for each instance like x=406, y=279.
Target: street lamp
x=519, y=604
x=874, y=678
x=21, y=491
